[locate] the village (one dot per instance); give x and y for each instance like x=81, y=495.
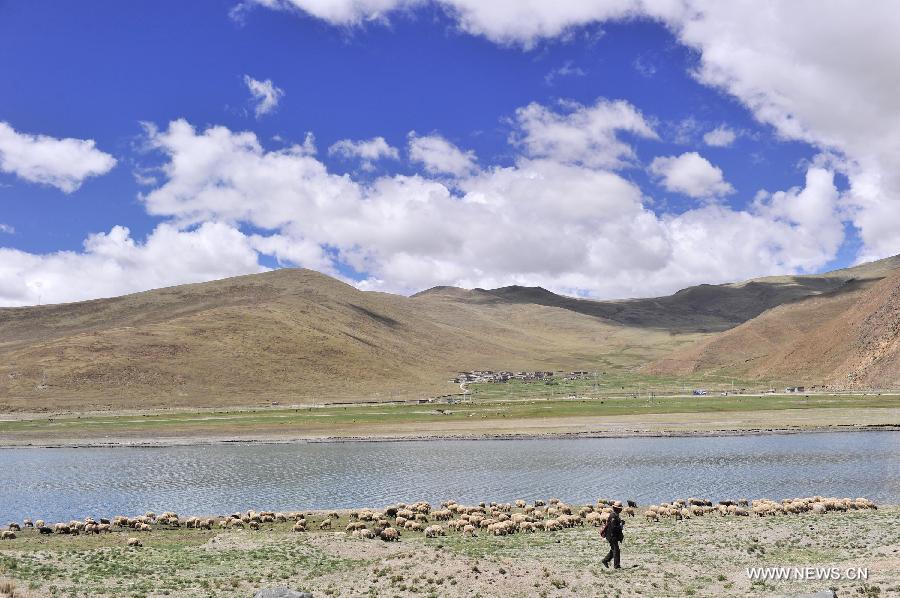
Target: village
x=482, y=376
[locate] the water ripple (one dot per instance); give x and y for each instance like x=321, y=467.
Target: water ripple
x=58, y=484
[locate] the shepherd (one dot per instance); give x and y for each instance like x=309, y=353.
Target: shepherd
x=613, y=531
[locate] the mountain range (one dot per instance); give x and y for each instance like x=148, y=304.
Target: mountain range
x=298, y=336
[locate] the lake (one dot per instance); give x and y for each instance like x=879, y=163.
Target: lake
x=61, y=484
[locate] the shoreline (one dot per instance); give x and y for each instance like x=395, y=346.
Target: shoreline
x=160, y=442
x=19, y=415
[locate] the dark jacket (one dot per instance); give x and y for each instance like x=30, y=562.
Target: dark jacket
x=614, y=528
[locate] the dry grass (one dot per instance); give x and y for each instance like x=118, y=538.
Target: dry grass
x=705, y=556
x=289, y=336
x=296, y=336
x=849, y=339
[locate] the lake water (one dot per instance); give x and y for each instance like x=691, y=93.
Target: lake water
x=60, y=484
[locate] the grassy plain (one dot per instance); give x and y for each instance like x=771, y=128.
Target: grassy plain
x=705, y=556
x=482, y=415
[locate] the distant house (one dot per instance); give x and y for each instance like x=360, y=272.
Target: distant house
x=480, y=376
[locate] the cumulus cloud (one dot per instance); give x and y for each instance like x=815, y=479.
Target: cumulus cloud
x=439, y=156
x=61, y=163
x=721, y=136
x=780, y=61
x=7, y=229
x=496, y=226
x=265, y=95
x=690, y=174
x=553, y=219
x=223, y=175
x=503, y=21
x=114, y=263
x=814, y=211
x=580, y=134
x=792, y=55
x=368, y=151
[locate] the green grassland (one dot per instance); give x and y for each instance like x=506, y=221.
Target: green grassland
x=485, y=405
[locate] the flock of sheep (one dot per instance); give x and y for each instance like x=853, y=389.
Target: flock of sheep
x=695, y=507
x=496, y=519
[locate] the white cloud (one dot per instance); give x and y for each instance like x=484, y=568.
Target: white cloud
x=644, y=67
x=527, y=21
x=114, y=263
x=368, y=151
x=439, y=156
x=503, y=21
x=690, y=174
x=813, y=211
x=336, y=12
x=497, y=226
x=7, y=229
x=721, y=136
x=568, y=69
x=62, y=163
x=684, y=131
x=494, y=226
x=265, y=95
x=582, y=134
x=820, y=73
x=222, y=175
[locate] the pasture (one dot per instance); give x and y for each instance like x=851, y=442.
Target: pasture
x=473, y=417
x=701, y=556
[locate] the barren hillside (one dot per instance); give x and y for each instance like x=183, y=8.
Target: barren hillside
x=846, y=339
x=292, y=336
x=297, y=336
x=703, y=308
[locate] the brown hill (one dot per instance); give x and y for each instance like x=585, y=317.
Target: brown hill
x=698, y=309
x=846, y=339
x=297, y=336
x=293, y=336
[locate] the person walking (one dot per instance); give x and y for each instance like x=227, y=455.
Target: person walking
x=613, y=531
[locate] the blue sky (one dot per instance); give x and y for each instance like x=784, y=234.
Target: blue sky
x=120, y=73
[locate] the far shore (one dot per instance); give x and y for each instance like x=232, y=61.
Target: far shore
x=471, y=420
x=261, y=440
